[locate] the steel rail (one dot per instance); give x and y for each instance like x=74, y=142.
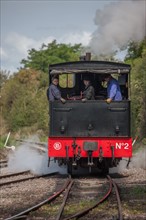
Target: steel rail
x=120, y=216
x=31, y=142
x=85, y=211
x=21, y=217
x=27, y=178
x=25, y=212
x=64, y=201
x=14, y=174
x=3, y=163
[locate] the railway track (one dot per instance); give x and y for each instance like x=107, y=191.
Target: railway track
x=3, y=163
x=26, y=212
x=70, y=187
x=14, y=174
x=20, y=177
x=104, y=197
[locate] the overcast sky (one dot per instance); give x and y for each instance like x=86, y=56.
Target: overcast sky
x=26, y=24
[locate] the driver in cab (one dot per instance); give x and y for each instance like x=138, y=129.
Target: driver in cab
x=88, y=93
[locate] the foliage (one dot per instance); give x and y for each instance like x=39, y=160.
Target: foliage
x=135, y=49
x=3, y=140
x=50, y=54
x=137, y=58
x=4, y=75
x=24, y=100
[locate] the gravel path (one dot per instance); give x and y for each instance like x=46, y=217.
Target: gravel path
x=15, y=198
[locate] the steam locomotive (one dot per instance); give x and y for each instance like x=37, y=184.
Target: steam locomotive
x=91, y=134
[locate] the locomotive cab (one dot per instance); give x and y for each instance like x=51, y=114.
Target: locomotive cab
x=91, y=134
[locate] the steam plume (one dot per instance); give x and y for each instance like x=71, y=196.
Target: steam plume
x=27, y=157
x=117, y=24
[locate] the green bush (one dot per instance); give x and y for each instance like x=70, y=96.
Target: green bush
x=24, y=102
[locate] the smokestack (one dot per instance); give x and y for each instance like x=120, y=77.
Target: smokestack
x=88, y=57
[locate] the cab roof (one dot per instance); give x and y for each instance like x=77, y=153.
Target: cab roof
x=101, y=67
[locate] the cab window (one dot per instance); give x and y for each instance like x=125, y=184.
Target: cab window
x=67, y=80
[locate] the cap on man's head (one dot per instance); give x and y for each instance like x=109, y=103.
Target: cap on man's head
x=87, y=78
x=54, y=77
x=105, y=76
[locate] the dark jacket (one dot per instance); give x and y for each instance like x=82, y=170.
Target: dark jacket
x=53, y=93
x=89, y=93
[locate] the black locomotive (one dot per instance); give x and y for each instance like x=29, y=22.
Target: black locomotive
x=90, y=134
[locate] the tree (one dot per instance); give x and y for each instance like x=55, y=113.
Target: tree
x=4, y=75
x=137, y=58
x=50, y=54
x=24, y=101
x=135, y=49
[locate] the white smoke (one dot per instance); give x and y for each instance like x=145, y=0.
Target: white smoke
x=139, y=159
x=27, y=156
x=117, y=24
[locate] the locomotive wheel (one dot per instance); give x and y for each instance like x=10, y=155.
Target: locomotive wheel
x=69, y=167
x=105, y=170
x=104, y=167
